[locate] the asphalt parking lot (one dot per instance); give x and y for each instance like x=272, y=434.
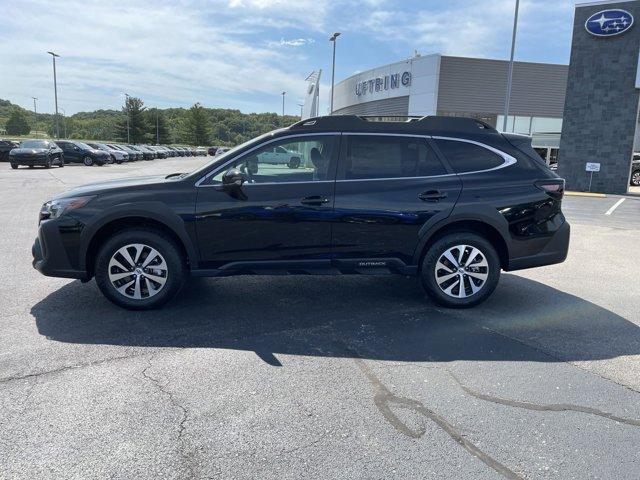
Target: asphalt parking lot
x=317, y=377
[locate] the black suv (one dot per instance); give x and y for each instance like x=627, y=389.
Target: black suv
x=635, y=170
x=78, y=152
x=449, y=200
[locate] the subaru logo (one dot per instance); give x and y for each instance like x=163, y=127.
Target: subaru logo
x=608, y=23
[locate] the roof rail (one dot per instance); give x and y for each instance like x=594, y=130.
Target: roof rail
x=366, y=122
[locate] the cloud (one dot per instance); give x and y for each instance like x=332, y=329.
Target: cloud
x=294, y=42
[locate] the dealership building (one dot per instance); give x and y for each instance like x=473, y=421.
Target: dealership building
x=458, y=86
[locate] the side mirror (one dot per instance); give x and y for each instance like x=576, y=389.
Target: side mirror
x=233, y=179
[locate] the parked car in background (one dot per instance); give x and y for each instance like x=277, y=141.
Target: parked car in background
x=147, y=154
x=33, y=153
x=159, y=151
x=222, y=150
x=5, y=147
x=635, y=170
x=133, y=154
x=212, y=150
x=175, y=152
x=79, y=152
x=201, y=152
x=117, y=155
x=280, y=156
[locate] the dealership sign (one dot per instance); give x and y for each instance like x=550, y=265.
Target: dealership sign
x=380, y=84
x=608, y=23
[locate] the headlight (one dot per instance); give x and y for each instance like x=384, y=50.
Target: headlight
x=56, y=208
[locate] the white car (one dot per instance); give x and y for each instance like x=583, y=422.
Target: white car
x=280, y=156
x=221, y=150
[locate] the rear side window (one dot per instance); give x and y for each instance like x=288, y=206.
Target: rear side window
x=371, y=157
x=468, y=157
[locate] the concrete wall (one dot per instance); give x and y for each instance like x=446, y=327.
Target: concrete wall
x=601, y=105
x=421, y=93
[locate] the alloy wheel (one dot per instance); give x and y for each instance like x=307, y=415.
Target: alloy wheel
x=461, y=271
x=635, y=179
x=138, y=271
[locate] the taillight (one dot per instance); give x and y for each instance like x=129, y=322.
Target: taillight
x=552, y=187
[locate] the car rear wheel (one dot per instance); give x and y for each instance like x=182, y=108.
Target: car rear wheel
x=140, y=269
x=460, y=270
x=88, y=161
x=14, y=166
x=294, y=162
x=635, y=178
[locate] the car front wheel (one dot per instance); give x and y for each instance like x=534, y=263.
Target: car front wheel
x=14, y=166
x=294, y=162
x=140, y=269
x=460, y=270
x=88, y=161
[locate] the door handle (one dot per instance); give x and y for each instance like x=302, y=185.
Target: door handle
x=432, y=196
x=314, y=200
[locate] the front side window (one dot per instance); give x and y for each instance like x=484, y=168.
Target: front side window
x=297, y=159
x=381, y=157
x=467, y=157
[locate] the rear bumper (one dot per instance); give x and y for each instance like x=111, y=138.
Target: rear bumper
x=554, y=252
x=49, y=255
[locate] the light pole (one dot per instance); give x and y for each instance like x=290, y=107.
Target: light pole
x=283, y=94
x=55, y=89
x=126, y=103
x=35, y=116
x=64, y=124
x=157, y=127
x=507, y=100
x=301, y=105
x=333, y=39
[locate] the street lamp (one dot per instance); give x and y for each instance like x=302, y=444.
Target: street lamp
x=126, y=103
x=55, y=89
x=35, y=116
x=507, y=100
x=283, y=94
x=333, y=39
x=64, y=124
x=301, y=105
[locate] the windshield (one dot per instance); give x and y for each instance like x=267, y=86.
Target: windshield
x=219, y=159
x=84, y=145
x=35, y=144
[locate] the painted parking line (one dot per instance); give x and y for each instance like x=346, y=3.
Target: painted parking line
x=614, y=206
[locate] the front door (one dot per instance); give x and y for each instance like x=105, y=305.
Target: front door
x=280, y=214
x=387, y=188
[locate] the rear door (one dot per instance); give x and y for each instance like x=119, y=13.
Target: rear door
x=280, y=218
x=387, y=188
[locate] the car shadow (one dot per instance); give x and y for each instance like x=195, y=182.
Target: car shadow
x=383, y=318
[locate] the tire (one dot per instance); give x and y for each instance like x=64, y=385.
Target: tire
x=635, y=178
x=172, y=268
x=61, y=160
x=118, y=162
x=14, y=166
x=88, y=161
x=111, y=160
x=480, y=276
x=47, y=163
x=294, y=162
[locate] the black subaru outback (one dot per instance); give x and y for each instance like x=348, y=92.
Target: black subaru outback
x=449, y=200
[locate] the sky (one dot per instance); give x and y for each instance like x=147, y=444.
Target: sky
x=243, y=54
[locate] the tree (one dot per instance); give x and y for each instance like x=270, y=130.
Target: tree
x=134, y=114
x=196, y=125
x=158, y=129
x=18, y=123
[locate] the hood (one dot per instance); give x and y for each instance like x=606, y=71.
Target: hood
x=29, y=151
x=111, y=185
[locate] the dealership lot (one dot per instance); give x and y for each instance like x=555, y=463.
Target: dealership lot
x=307, y=377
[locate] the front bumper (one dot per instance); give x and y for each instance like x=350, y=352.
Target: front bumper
x=555, y=251
x=50, y=256
x=30, y=161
